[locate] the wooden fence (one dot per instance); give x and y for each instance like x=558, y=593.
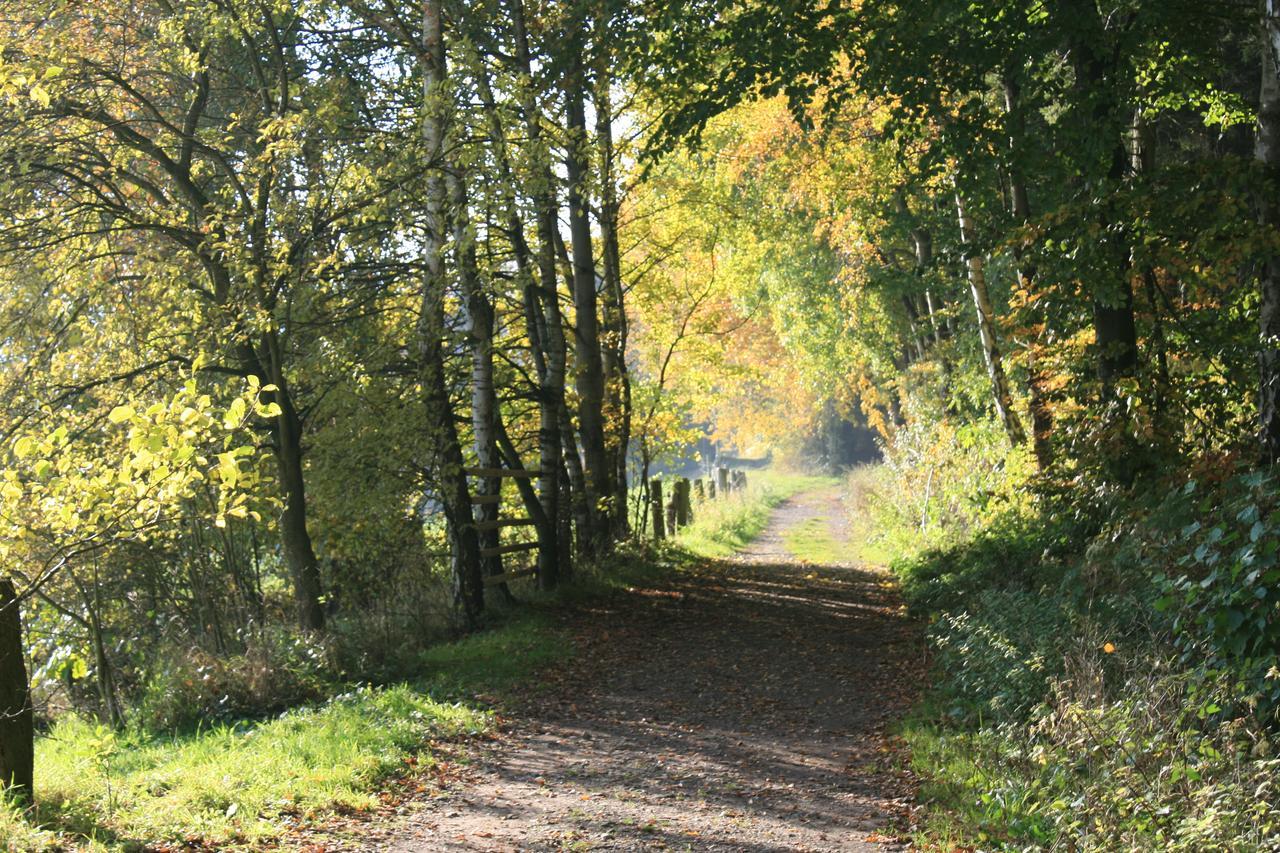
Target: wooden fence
x=675, y=509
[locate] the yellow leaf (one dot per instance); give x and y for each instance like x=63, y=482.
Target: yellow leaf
x=120, y=414
x=235, y=414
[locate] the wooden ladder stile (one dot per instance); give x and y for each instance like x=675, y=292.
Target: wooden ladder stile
x=501, y=523
x=501, y=472
x=493, y=580
x=508, y=549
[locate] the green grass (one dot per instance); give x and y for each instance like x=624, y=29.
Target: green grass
x=969, y=799
x=722, y=527
x=498, y=660
x=240, y=785
x=813, y=542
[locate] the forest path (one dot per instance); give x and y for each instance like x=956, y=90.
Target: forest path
x=739, y=706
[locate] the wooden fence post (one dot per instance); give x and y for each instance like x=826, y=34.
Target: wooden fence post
x=722, y=480
x=684, y=507
x=699, y=490
x=655, y=504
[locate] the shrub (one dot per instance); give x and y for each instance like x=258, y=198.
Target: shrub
x=1001, y=653
x=278, y=669
x=940, y=484
x=1222, y=584
x=1105, y=658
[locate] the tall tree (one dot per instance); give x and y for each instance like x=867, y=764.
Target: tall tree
x=589, y=363
x=446, y=450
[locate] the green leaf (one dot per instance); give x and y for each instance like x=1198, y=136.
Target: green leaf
x=120, y=414
x=235, y=413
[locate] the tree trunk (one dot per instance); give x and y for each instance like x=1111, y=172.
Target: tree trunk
x=589, y=365
x=986, y=329
x=617, y=381
x=266, y=363
x=922, y=246
x=103, y=671
x=544, y=318
x=1142, y=160
x=299, y=555
x=1093, y=61
x=576, y=477
x=17, y=725
x=1267, y=152
x=484, y=398
x=446, y=451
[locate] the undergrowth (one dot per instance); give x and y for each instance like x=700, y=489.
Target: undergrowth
x=1105, y=673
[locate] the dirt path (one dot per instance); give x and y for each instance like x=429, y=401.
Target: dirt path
x=737, y=708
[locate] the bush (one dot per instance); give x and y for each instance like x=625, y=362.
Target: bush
x=1121, y=752
x=279, y=669
x=1105, y=658
x=940, y=484
x=1221, y=581
x=1001, y=653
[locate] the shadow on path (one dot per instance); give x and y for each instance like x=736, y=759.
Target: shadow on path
x=737, y=706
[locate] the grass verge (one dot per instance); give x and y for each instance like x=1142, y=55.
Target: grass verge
x=246, y=784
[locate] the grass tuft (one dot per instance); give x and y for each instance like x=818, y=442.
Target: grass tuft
x=812, y=541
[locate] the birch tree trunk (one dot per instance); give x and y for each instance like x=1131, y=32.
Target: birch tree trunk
x=446, y=451
x=484, y=398
x=986, y=329
x=617, y=381
x=552, y=561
